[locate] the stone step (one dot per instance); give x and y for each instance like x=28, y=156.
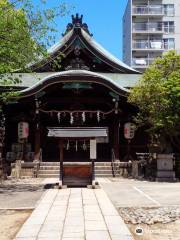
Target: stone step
x=49, y=167
x=52, y=169
x=48, y=175
x=50, y=164
x=103, y=167
x=97, y=164
x=57, y=167
x=57, y=171
x=57, y=175
x=57, y=163
x=103, y=175
x=103, y=171
x=48, y=171
x=102, y=163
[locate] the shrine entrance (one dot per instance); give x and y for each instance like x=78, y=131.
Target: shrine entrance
x=77, y=171
x=86, y=90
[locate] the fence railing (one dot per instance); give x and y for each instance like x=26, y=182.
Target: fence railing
x=152, y=44
x=151, y=9
x=141, y=62
x=148, y=27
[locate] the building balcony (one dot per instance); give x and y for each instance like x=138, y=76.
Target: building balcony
x=155, y=45
x=155, y=27
x=142, y=62
x=148, y=10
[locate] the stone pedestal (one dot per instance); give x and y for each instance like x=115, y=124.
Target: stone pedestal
x=18, y=168
x=165, y=171
x=135, y=169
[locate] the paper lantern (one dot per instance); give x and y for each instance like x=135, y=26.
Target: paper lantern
x=23, y=130
x=129, y=130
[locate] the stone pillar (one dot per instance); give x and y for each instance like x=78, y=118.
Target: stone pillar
x=165, y=168
x=135, y=169
x=18, y=169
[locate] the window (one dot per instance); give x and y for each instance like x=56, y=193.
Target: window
x=169, y=27
x=169, y=43
x=169, y=10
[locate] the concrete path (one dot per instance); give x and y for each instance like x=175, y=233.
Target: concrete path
x=74, y=214
x=134, y=193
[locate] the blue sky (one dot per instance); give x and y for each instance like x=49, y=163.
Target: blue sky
x=104, y=18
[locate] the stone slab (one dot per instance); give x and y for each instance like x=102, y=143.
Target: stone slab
x=74, y=214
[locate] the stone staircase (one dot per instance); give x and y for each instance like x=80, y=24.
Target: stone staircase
x=103, y=169
x=51, y=169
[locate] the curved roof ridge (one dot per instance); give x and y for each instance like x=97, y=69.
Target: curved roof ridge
x=74, y=73
x=105, y=52
x=80, y=30
x=60, y=43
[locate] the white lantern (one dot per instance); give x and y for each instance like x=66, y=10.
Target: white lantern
x=129, y=130
x=23, y=130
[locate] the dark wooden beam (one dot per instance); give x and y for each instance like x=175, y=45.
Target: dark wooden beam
x=37, y=144
x=116, y=136
x=61, y=151
x=85, y=100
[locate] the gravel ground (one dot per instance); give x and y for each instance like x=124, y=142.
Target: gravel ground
x=17, y=194
x=20, y=193
x=150, y=215
x=158, y=231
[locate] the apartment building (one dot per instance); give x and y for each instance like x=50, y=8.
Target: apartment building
x=150, y=27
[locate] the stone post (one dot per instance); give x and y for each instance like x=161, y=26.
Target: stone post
x=165, y=168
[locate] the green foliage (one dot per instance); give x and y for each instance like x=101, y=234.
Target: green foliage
x=16, y=45
x=157, y=96
x=26, y=31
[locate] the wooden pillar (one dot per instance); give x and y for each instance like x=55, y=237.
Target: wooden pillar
x=116, y=126
x=93, y=172
x=61, y=151
x=37, y=145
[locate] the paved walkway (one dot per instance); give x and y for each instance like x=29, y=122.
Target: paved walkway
x=74, y=214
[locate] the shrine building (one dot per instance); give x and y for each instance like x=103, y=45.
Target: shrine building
x=74, y=111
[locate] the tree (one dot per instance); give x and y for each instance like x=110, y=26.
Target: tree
x=157, y=96
x=25, y=32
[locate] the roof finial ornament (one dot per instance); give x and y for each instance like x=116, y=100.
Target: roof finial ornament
x=77, y=22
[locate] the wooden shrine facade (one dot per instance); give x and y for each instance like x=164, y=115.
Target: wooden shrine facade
x=88, y=89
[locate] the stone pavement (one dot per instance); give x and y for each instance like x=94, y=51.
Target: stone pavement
x=74, y=214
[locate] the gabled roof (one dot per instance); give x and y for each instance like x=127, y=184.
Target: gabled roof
x=78, y=39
